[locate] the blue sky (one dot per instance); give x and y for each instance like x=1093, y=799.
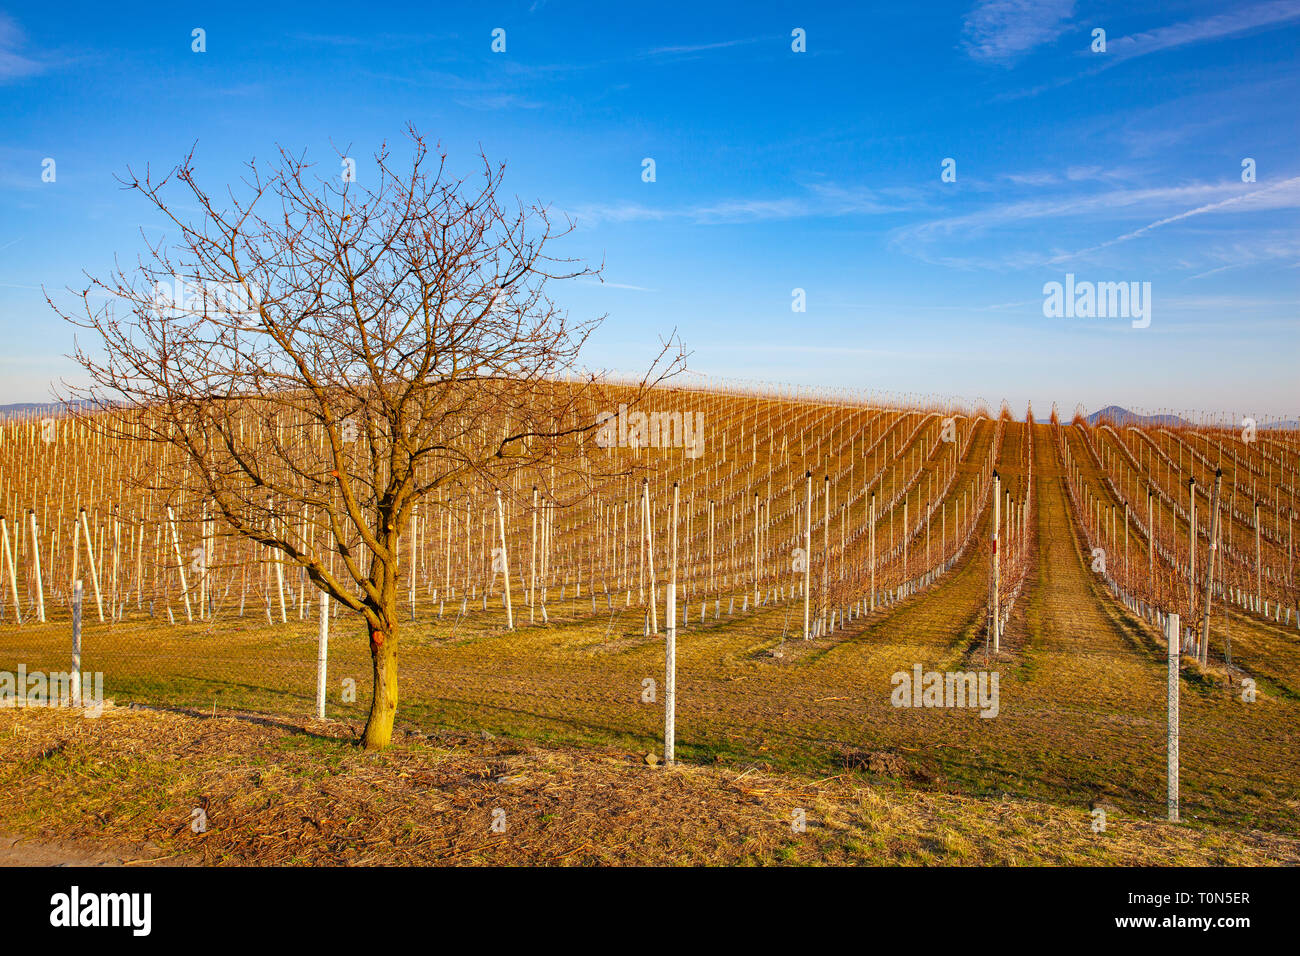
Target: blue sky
x=775, y=170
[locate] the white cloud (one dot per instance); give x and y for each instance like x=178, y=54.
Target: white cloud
x=1054, y=215
x=1220, y=25
x=700, y=47
x=614, y=285
x=1031, y=179
x=1258, y=250
x=821, y=200
x=1261, y=16
x=1004, y=30
x=14, y=65
x=1113, y=201
x=1283, y=195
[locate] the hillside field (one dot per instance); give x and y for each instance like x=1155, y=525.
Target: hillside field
x=884, y=513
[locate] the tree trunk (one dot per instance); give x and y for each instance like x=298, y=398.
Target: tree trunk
x=383, y=703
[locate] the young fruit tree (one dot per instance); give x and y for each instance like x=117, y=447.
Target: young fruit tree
x=313, y=359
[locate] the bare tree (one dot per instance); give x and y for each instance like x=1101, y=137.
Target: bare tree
x=315, y=358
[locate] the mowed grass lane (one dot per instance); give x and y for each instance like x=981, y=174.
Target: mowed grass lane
x=1267, y=651
x=735, y=700
x=1236, y=760
x=1081, y=690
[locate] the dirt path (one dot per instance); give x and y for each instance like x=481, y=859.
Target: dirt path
x=1098, y=676
x=1080, y=652
x=27, y=851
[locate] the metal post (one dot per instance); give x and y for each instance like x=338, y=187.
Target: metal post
x=1191, y=548
x=1173, y=632
x=532, y=571
x=1151, y=548
x=826, y=551
x=995, y=626
x=650, y=557
x=9, y=564
x=906, y=530
x=76, y=644
x=670, y=650
x=36, y=566
x=1209, y=567
x=322, y=654
x=807, y=560
x=1259, y=566
x=505, y=563
x=873, y=551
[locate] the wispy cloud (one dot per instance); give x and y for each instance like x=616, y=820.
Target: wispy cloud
x=749, y=210
x=499, y=101
x=373, y=41
x=1002, y=31
x=820, y=199
x=592, y=214
x=13, y=64
x=1258, y=17
x=1285, y=194
x=1032, y=179
x=438, y=79
x=1072, y=174
x=1049, y=215
x=615, y=285
x=1111, y=202
x=1240, y=20
x=701, y=47
x=495, y=92
x=1258, y=250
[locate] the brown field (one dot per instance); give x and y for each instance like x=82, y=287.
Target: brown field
x=547, y=720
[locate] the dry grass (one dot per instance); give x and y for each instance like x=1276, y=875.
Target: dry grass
x=303, y=794
x=1081, y=721
x=1082, y=691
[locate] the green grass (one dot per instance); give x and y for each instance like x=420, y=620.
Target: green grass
x=1082, y=690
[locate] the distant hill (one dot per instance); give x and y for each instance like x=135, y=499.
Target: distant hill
x=1111, y=413
x=22, y=408
x=28, y=408
x=1122, y=416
